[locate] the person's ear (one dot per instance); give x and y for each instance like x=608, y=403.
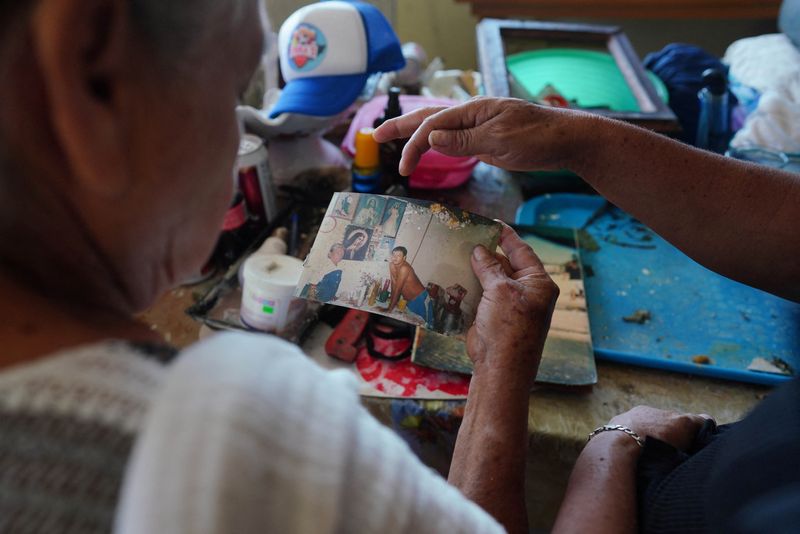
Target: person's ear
x=81, y=47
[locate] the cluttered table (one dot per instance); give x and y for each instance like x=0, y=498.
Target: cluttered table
x=637, y=321
x=560, y=417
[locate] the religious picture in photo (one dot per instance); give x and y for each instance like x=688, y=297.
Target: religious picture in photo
x=356, y=242
x=384, y=250
x=369, y=211
x=346, y=206
x=392, y=216
x=406, y=259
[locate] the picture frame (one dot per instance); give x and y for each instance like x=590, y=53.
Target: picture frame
x=499, y=38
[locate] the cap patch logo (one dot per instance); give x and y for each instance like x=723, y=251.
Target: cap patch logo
x=307, y=48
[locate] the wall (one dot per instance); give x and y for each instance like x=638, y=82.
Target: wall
x=447, y=29
x=442, y=27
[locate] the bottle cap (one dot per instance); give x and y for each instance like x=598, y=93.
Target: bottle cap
x=393, y=109
x=367, y=153
x=716, y=81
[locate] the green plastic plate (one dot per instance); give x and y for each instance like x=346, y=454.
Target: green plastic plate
x=589, y=77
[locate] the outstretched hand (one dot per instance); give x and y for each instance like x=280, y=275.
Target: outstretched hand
x=505, y=132
x=514, y=313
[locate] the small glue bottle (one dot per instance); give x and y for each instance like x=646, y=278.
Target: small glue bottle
x=367, y=164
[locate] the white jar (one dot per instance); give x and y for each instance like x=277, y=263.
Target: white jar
x=267, y=292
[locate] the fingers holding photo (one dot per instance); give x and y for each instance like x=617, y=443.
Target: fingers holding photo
x=522, y=258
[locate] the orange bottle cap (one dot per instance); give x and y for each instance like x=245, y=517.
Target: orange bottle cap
x=367, y=153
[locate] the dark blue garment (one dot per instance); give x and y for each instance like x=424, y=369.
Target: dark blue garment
x=329, y=285
x=736, y=479
x=423, y=307
x=680, y=67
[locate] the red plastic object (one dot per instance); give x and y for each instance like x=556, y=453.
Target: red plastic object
x=342, y=342
x=435, y=170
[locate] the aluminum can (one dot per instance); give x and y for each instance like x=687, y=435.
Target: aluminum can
x=255, y=179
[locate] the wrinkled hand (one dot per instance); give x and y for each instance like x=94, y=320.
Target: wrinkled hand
x=677, y=429
x=514, y=313
x=505, y=132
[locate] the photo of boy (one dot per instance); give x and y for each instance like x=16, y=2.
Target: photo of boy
x=406, y=284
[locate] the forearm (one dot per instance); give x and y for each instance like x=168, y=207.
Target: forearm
x=601, y=496
x=717, y=210
x=489, y=459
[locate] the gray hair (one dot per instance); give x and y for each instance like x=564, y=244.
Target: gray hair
x=174, y=29
x=178, y=30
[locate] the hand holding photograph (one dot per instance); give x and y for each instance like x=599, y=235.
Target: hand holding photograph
x=406, y=259
x=568, y=357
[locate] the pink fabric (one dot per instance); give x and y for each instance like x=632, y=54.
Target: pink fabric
x=435, y=171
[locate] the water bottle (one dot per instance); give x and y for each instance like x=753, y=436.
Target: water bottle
x=714, y=124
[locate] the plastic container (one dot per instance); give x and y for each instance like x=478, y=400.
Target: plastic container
x=762, y=156
x=592, y=78
x=561, y=210
x=435, y=170
x=714, y=124
x=268, y=303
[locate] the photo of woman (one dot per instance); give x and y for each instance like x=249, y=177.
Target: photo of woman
x=356, y=243
x=392, y=217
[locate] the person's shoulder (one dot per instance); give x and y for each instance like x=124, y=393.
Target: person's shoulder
x=256, y=366
x=227, y=352
x=241, y=346
x=245, y=415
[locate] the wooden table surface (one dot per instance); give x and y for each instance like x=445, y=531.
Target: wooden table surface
x=559, y=420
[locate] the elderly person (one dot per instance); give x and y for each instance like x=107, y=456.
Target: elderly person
x=325, y=290
x=117, y=141
x=736, y=218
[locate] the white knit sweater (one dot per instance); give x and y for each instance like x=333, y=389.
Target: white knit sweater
x=248, y=435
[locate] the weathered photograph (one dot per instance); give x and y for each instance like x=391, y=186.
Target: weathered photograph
x=568, y=357
x=402, y=258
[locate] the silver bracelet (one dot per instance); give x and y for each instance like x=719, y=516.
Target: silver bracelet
x=621, y=428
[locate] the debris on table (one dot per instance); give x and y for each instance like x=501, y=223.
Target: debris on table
x=702, y=359
x=638, y=317
x=615, y=241
x=776, y=366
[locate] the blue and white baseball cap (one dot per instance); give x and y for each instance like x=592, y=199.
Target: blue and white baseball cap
x=327, y=51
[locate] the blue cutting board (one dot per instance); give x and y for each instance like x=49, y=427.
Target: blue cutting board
x=693, y=311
